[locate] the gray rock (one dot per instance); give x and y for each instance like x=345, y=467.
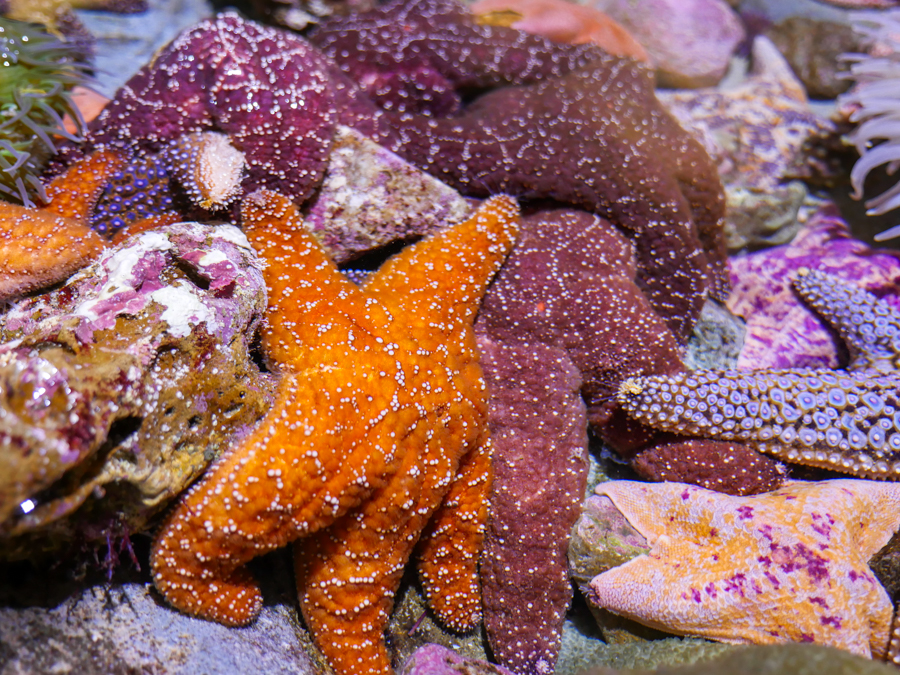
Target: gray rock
x=124, y=628
x=794, y=659
x=717, y=338
x=370, y=198
x=690, y=41
x=813, y=48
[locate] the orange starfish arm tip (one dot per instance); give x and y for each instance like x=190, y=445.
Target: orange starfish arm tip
x=450, y=548
x=39, y=248
x=74, y=193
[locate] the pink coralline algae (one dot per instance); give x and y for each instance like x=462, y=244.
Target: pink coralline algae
x=782, y=332
x=126, y=382
x=266, y=89
x=563, y=324
x=587, y=132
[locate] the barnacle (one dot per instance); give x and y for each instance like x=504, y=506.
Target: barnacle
x=37, y=73
x=875, y=101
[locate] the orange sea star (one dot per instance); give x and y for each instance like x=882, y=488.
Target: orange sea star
x=39, y=247
x=378, y=435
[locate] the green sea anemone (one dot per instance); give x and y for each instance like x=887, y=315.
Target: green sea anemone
x=875, y=101
x=37, y=73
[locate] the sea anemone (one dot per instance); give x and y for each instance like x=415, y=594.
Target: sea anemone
x=875, y=101
x=37, y=73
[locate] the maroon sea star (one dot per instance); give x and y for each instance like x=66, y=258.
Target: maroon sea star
x=265, y=88
x=562, y=325
x=588, y=132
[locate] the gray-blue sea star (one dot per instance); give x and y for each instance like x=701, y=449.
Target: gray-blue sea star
x=847, y=420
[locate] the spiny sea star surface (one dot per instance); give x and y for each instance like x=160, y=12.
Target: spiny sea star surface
x=266, y=88
x=846, y=420
x=378, y=433
x=784, y=566
x=585, y=130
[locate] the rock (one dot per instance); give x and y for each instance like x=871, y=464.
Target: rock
x=412, y=627
x=760, y=134
x=121, y=628
x=758, y=218
x=795, y=659
x=370, y=198
x=813, y=49
x=668, y=655
x=119, y=388
x=717, y=338
x=602, y=539
x=782, y=332
x=438, y=660
x=690, y=41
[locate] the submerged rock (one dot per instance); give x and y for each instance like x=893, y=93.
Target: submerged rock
x=438, y=660
x=690, y=41
x=771, y=660
x=118, y=389
x=370, y=198
x=49, y=625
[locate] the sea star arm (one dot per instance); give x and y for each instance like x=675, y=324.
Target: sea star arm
x=347, y=575
x=310, y=301
x=470, y=253
x=870, y=327
x=451, y=544
x=39, y=247
x=294, y=474
x=847, y=420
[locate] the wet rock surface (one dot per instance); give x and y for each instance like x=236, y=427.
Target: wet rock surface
x=51, y=622
x=119, y=388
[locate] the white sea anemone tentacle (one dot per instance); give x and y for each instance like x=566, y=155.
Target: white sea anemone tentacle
x=876, y=107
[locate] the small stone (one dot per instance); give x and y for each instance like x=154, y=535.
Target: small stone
x=813, y=49
x=690, y=41
x=757, y=218
x=438, y=660
x=371, y=197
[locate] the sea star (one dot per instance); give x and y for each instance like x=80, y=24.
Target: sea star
x=782, y=332
x=789, y=565
x=561, y=326
x=846, y=420
x=39, y=247
x=585, y=130
x=266, y=88
x=379, y=432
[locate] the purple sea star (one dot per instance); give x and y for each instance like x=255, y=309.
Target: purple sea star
x=846, y=420
x=266, y=88
x=559, y=329
x=589, y=132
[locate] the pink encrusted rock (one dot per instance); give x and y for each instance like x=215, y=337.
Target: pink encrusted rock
x=438, y=660
x=129, y=380
x=690, y=41
x=782, y=332
x=370, y=197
